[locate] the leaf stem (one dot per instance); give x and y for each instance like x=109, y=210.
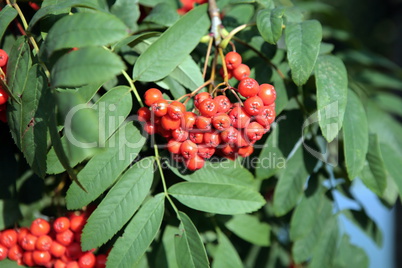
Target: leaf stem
x=133, y=88
x=204, y=72
x=225, y=69
x=158, y=162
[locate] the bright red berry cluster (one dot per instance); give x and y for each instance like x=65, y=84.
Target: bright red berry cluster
x=3, y=94
x=45, y=244
x=219, y=126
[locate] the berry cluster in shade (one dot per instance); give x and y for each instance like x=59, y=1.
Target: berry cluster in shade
x=50, y=244
x=217, y=126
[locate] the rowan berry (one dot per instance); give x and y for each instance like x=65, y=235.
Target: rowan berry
x=40, y=227
x=223, y=102
x=253, y=105
x=169, y=123
x=205, y=152
x=21, y=233
x=203, y=123
x=245, y=151
x=221, y=121
x=87, y=260
x=248, y=87
x=65, y=238
x=3, y=252
x=212, y=139
x=241, y=72
x=200, y=97
x=267, y=93
x=208, y=107
x=152, y=95
x=159, y=108
x=173, y=146
x=73, y=251
x=101, y=261
x=72, y=264
x=239, y=117
x=43, y=242
x=229, y=135
x=188, y=149
x=9, y=238
x=194, y=163
x=232, y=60
x=266, y=116
x=254, y=131
x=179, y=134
x=189, y=120
x=57, y=249
x=222, y=73
x=28, y=242
x=176, y=110
x=3, y=58
x=144, y=114
x=149, y=128
x=59, y=264
x=196, y=137
x=15, y=253
x=27, y=259
x=3, y=96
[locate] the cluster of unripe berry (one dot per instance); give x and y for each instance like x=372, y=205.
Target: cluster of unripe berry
x=55, y=244
x=3, y=94
x=217, y=126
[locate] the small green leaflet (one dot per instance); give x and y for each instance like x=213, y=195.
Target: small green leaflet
x=7, y=14
x=226, y=254
x=127, y=11
x=249, y=228
x=138, y=235
x=189, y=247
x=269, y=24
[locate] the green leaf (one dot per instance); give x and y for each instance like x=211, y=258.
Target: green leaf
x=119, y=205
x=152, y=3
x=163, y=14
x=188, y=74
x=7, y=15
x=85, y=66
x=355, y=137
x=224, y=172
x=10, y=213
x=217, y=198
x=60, y=6
x=19, y=63
x=166, y=257
x=332, y=85
x=105, y=167
x=189, y=247
x=349, y=255
x=85, y=29
x=111, y=109
x=391, y=157
x=374, y=174
x=7, y=263
x=269, y=24
x=292, y=181
x=226, y=254
x=172, y=47
x=250, y=229
x=303, y=44
x=367, y=225
x=128, y=11
x=138, y=235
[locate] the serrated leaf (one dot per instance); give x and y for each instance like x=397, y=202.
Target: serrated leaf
x=332, y=85
x=303, y=44
x=163, y=14
x=225, y=172
x=118, y=206
x=217, y=198
x=355, y=137
x=250, y=229
x=19, y=63
x=138, y=235
x=349, y=255
x=105, y=167
x=188, y=74
x=7, y=15
x=60, y=6
x=172, y=47
x=374, y=174
x=367, y=225
x=85, y=29
x=128, y=11
x=269, y=24
x=189, y=247
x=85, y=66
x=110, y=110
x=226, y=254
x=292, y=181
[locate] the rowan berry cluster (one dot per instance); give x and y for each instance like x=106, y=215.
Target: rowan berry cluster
x=55, y=244
x=217, y=126
x=3, y=94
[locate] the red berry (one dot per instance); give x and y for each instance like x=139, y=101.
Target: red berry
x=254, y=131
x=248, y=87
x=61, y=224
x=196, y=137
x=221, y=121
x=174, y=146
x=3, y=96
x=208, y=107
x=232, y=60
x=22, y=232
x=203, y=123
x=144, y=115
x=253, y=105
x=3, y=58
x=27, y=259
x=212, y=139
x=169, y=123
x=57, y=249
x=40, y=227
x=200, y=97
x=73, y=251
x=188, y=149
x=228, y=151
x=3, y=252
x=245, y=151
x=152, y=95
x=15, y=253
x=28, y=242
x=43, y=242
x=9, y=238
x=159, y=108
x=72, y=264
x=149, y=128
x=229, y=135
x=87, y=260
x=267, y=94
x=77, y=223
x=241, y=72
x=41, y=257
x=266, y=117
x=205, y=152
x=65, y=238
x=176, y=110
x=59, y=264
x=223, y=102
x=194, y=163
x=179, y=134
x=189, y=120
x=101, y=261
x=239, y=117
